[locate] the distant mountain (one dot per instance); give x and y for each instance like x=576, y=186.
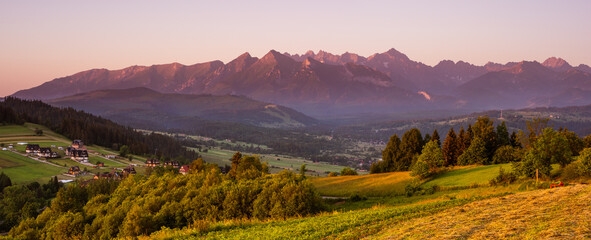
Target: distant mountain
x=526, y=84
x=324, y=84
x=147, y=106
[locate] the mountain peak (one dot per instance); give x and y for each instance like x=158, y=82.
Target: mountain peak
x=557, y=64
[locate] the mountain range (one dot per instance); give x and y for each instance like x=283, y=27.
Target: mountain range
x=322, y=83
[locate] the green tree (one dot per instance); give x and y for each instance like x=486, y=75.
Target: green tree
x=391, y=157
x=433, y=156
x=576, y=144
x=506, y=154
x=475, y=154
x=4, y=181
x=420, y=169
x=450, y=148
x=514, y=139
x=348, y=171
x=503, y=138
x=462, y=142
x=587, y=141
x=123, y=151
x=303, y=170
x=435, y=138
x=483, y=128
x=410, y=146
x=549, y=147
x=585, y=162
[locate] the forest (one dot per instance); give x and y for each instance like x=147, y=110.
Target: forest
x=91, y=129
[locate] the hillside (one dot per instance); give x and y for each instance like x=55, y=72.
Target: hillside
x=146, y=105
x=577, y=119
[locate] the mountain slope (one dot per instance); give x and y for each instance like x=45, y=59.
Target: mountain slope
x=143, y=104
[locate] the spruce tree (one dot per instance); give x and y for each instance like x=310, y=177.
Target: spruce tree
x=436, y=138
x=411, y=145
x=503, y=138
x=450, y=148
x=390, y=156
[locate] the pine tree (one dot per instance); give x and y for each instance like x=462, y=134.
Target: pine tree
x=461, y=146
x=390, y=156
x=502, y=135
x=450, y=148
x=515, y=140
x=475, y=154
x=411, y=145
x=436, y=138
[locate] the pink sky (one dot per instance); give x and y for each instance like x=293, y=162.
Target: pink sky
x=43, y=40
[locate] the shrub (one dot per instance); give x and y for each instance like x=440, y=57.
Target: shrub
x=571, y=171
x=585, y=162
x=503, y=178
x=357, y=198
x=506, y=154
x=333, y=174
x=348, y=171
x=420, y=169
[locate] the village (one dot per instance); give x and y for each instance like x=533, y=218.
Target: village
x=78, y=152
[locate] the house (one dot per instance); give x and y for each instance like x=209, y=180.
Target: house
x=69, y=150
x=152, y=162
x=108, y=175
x=184, y=169
x=129, y=170
x=77, y=144
x=32, y=148
x=74, y=170
x=79, y=155
x=44, y=152
x=173, y=164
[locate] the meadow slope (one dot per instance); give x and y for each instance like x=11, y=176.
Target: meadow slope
x=563, y=213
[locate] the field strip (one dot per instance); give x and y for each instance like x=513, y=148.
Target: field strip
x=41, y=161
x=563, y=212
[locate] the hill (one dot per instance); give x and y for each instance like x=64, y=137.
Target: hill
x=146, y=105
x=91, y=129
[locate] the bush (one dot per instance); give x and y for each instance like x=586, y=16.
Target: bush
x=506, y=154
x=357, y=198
x=503, y=178
x=420, y=169
x=348, y=171
x=571, y=171
x=333, y=174
x=585, y=162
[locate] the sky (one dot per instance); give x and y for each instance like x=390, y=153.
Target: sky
x=44, y=40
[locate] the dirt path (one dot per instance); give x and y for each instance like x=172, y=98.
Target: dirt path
x=559, y=213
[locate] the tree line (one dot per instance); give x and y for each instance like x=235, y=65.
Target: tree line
x=536, y=147
x=89, y=128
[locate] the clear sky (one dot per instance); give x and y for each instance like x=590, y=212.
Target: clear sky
x=43, y=40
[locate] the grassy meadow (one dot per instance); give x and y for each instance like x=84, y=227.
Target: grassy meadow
x=374, y=185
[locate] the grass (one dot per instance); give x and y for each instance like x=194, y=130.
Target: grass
x=276, y=163
x=329, y=225
x=466, y=176
x=28, y=170
x=551, y=213
x=373, y=185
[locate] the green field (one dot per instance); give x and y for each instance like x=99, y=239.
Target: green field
x=373, y=185
x=276, y=163
x=27, y=170
x=466, y=176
